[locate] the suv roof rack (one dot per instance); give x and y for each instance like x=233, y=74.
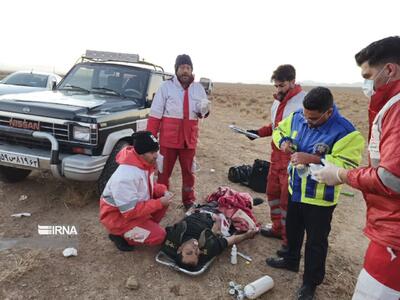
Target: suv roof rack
x=104, y=56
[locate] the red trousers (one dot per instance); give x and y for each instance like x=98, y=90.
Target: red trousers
x=277, y=195
x=186, y=157
x=157, y=233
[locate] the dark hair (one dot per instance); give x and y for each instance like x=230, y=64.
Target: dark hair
x=284, y=73
x=380, y=52
x=183, y=265
x=319, y=98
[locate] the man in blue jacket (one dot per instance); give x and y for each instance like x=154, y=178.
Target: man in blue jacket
x=316, y=134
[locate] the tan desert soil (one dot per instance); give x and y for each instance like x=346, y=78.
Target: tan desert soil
x=100, y=271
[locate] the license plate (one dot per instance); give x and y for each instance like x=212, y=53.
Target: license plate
x=22, y=160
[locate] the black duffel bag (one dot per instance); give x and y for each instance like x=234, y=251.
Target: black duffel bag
x=240, y=174
x=258, y=176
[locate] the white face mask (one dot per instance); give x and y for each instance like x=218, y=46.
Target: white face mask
x=368, y=86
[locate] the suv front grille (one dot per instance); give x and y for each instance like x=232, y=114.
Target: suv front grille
x=62, y=132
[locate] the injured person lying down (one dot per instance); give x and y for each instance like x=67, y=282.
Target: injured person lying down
x=207, y=230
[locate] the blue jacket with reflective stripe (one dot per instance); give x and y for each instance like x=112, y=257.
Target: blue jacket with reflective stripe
x=336, y=140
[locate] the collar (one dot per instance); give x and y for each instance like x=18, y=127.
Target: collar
x=290, y=94
x=128, y=156
x=383, y=95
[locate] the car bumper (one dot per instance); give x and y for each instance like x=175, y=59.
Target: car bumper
x=71, y=166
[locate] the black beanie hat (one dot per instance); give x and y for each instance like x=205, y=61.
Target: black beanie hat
x=144, y=141
x=182, y=59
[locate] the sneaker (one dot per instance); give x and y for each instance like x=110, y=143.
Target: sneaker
x=281, y=263
x=120, y=243
x=257, y=201
x=306, y=292
x=267, y=231
x=283, y=251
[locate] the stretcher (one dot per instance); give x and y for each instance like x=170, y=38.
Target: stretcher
x=166, y=260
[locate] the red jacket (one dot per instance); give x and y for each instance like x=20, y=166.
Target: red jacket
x=278, y=112
x=131, y=195
x=381, y=184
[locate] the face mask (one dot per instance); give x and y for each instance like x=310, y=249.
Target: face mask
x=368, y=86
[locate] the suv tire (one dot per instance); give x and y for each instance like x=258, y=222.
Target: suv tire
x=110, y=166
x=11, y=175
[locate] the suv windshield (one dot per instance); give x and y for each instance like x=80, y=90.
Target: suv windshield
x=108, y=79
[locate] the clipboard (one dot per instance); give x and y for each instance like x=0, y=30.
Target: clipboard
x=243, y=131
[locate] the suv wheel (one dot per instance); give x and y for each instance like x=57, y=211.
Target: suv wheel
x=110, y=166
x=9, y=174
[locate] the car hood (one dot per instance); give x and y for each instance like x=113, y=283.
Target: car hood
x=16, y=89
x=69, y=105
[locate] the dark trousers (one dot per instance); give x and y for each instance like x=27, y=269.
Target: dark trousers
x=316, y=222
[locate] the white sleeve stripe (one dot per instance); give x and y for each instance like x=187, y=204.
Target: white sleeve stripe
x=389, y=180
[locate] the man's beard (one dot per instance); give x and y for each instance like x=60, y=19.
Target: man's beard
x=280, y=96
x=185, y=80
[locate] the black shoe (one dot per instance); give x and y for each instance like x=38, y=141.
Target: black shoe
x=306, y=292
x=283, y=251
x=257, y=201
x=281, y=263
x=268, y=232
x=121, y=243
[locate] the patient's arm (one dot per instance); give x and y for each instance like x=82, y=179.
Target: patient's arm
x=216, y=229
x=237, y=238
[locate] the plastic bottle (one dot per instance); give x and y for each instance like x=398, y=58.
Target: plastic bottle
x=234, y=255
x=203, y=107
x=258, y=287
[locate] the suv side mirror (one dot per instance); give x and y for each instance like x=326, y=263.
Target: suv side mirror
x=53, y=85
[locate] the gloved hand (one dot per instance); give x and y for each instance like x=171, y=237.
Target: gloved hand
x=252, y=131
x=329, y=174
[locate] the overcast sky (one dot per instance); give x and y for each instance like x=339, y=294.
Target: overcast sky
x=230, y=41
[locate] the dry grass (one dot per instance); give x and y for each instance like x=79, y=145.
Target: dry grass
x=18, y=264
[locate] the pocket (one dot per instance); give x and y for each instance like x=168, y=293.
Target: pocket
x=170, y=132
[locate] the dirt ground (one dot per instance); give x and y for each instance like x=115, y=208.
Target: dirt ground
x=100, y=270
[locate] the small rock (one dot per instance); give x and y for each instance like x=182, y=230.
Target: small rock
x=23, y=198
x=132, y=283
x=212, y=170
x=70, y=252
x=20, y=215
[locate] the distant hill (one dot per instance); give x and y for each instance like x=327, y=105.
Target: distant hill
x=315, y=83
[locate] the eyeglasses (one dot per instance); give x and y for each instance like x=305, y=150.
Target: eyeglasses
x=312, y=122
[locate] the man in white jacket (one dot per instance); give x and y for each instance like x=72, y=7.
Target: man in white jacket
x=132, y=203
x=174, y=114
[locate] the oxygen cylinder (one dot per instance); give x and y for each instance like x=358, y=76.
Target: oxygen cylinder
x=258, y=287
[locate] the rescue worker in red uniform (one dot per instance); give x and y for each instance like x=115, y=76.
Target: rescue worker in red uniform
x=174, y=115
x=288, y=98
x=133, y=204
x=380, y=180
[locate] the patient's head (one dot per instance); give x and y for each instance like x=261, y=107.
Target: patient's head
x=188, y=254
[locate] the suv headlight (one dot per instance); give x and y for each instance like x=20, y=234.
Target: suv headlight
x=81, y=133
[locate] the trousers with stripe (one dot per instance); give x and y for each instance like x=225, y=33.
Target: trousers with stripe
x=277, y=195
x=186, y=157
